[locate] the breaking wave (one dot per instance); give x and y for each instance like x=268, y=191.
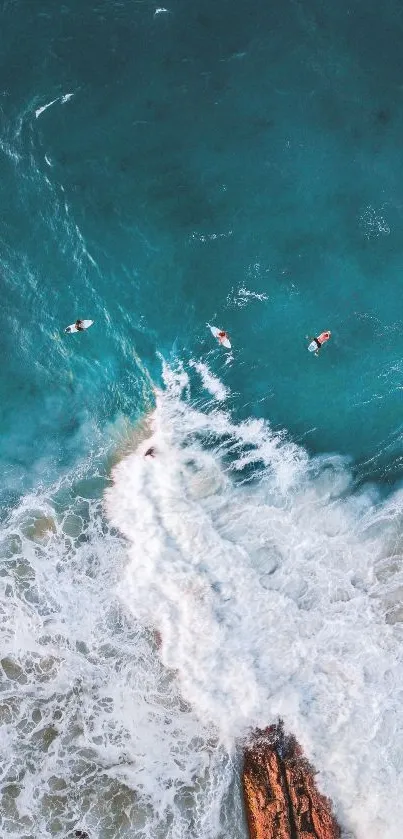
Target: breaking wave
x=276, y=590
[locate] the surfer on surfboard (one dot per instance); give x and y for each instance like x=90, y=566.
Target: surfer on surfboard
x=79, y=326
x=221, y=335
x=317, y=343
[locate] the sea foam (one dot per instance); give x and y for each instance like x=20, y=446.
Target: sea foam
x=276, y=591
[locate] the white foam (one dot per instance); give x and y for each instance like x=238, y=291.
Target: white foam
x=242, y=296
x=373, y=223
x=62, y=99
x=276, y=596
x=40, y=111
x=87, y=711
x=210, y=382
x=210, y=237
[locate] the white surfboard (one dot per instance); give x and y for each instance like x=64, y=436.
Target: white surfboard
x=215, y=331
x=85, y=323
x=313, y=347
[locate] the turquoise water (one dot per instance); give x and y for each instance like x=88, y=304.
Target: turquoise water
x=233, y=163
x=273, y=131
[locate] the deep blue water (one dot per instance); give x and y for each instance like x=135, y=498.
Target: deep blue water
x=276, y=129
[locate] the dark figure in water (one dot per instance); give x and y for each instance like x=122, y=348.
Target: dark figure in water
x=79, y=325
x=80, y=834
x=150, y=452
x=222, y=336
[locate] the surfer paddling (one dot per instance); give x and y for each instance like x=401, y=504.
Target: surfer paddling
x=317, y=343
x=221, y=335
x=79, y=325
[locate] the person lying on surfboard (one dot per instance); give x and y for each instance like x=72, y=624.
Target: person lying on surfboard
x=317, y=343
x=222, y=336
x=79, y=326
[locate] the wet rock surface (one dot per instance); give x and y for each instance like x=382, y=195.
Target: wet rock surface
x=281, y=797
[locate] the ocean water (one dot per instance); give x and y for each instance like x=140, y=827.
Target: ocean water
x=160, y=168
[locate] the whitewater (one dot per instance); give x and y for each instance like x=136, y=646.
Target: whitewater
x=237, y=164
x=150, y=623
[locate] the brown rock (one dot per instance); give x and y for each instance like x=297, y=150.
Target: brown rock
x=281, y=799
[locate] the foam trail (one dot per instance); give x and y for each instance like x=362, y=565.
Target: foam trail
x=61, y=99
x=210, y=382
x=273, y=597
x=253, y=295
x=244, y=295
x=40, y=111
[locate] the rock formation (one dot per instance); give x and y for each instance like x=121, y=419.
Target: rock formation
x=281, y=799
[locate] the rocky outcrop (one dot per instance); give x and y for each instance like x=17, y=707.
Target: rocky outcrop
x=281, y=798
